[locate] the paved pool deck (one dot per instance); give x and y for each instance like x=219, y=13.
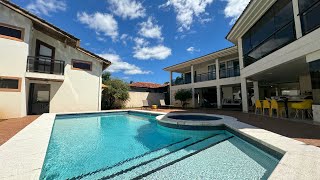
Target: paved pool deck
x=23, y=155
x=305, y=132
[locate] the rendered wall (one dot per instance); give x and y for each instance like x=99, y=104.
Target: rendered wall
x=13, y=55
x=80, y=90
x=137, y=97
x=13, y=60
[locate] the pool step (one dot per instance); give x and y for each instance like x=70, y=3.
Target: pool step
x=135, y=160
x=148, y=166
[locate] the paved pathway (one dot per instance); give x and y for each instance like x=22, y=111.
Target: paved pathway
x=10, y=127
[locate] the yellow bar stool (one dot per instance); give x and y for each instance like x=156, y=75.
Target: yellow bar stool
x=258, y=106
x=305, y=106
x=266, y=105
x=279, y=107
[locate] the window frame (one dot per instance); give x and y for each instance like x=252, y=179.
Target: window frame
x=11, y=78
x=81, y=61
x=16, y=28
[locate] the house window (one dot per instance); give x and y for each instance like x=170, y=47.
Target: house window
x=273, y=31
x=309, y=14
x=11, y=32
x=10, y=84
x=81, y=65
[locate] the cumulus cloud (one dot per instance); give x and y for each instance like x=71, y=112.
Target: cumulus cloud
x=130, y=9
x=150, y=29
x=187, y=10
x=101, y=23
x=192, y=49
x=118, y=65
x=234, y=9
x=158, y=52
x=46, y=6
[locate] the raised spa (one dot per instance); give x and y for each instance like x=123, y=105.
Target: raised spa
x=192, y=117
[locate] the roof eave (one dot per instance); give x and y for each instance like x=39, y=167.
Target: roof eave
x=218, y=54
x=252, y=13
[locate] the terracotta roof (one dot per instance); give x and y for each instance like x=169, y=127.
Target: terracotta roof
x=147, y=85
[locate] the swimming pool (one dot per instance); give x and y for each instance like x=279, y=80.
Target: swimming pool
x=126, y=145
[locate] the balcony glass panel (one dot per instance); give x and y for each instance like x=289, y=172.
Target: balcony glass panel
x=274, y=30
x=45, y=65
x=309, y=14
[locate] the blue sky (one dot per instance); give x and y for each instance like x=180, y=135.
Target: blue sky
x=141, y=37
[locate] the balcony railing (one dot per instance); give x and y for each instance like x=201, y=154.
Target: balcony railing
x=229, y=72
x=45, y=65
x=205, y=77
x=180, y=82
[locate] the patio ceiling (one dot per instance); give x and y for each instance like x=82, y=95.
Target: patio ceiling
x=284, y=73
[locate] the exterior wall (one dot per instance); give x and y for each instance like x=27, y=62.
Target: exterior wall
x=77, y=90
x=316, y=113
x=80, y=90
x=13, y=55
x=137, y=97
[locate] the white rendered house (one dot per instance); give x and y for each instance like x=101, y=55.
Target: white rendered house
x=278, y=50
x=44, y=69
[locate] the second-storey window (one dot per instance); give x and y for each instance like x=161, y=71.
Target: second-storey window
x=309, y=14
x=81, y=65
x=274, y=30
x=11, y=32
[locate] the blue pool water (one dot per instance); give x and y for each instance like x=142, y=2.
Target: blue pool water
x=132, y=145
x=194, y=117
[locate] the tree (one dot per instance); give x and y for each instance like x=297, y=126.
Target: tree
x=116, y=93
x=183, y=95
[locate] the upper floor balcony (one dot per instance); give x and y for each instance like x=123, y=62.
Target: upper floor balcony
x=45, y=68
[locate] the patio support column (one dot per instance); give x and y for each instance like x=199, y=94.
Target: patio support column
x=256, y=90
x=192, y=75
x=170, y=87
x=297, y=20
x=244, y=95
x=193, y=99
x=217, y=69
x=219, y=97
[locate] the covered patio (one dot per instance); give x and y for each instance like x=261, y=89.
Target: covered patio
x=290, y=85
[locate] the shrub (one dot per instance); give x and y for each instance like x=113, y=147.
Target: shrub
x=183, y=95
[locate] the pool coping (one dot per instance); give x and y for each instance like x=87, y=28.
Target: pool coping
x=23, y=155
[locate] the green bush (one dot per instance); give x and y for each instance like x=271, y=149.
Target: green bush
x=183, y=95
x=115, y=94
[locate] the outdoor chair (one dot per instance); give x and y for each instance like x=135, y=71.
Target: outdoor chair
x=163, y=104
x=305, y=106
x=145, y=104
x=266, y=106
x=279, y=107
x=258, y=106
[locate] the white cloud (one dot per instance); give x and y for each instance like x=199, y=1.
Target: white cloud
x=150, y=30
x=187, y=10
x=46, y=6
x=234, y=9
x=101, y=23
x=130, y=9
x=118, y=65
x=124, y=38
x=192, y=49
x=140, y=42
x=159, y=52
